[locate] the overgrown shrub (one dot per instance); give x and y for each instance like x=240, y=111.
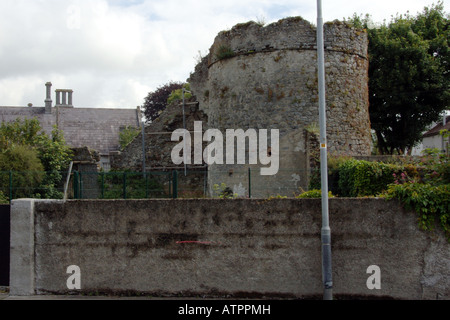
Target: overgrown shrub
x=136, y=185
x=177, y=94
x=363, y=178
x=3, y=198
x=420, y=184
x=348, y=177
x=28, y=171
x=23, y=144
x=429, y=201
x=313, y=194
x=127, y=135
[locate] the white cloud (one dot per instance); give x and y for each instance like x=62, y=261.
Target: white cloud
x=113, y=52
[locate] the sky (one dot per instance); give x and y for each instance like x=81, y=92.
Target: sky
x=112, y=53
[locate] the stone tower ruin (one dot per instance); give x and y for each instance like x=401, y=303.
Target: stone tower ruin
x=266, y=78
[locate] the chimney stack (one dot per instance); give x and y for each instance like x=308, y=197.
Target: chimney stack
x=48, y=99
x=66, y=98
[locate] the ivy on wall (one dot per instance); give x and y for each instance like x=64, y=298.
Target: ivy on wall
x=421, y=184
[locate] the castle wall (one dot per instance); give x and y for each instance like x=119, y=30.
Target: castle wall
x=266, y=78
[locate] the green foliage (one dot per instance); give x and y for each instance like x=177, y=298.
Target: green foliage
x=3, y=198
x=435, y=167
x=408, y=76
x=223, y=192
x=55, y=155
x=19, y=132
x=224, y=52
x=278, y=196
x=127, y=135
x=445, y=133
x=421, y=184
x=429, y=201
x=178, y=94
x=27, y=150
x=156, y=101
x=349, y=177
x=28, y=171
x=363, y=178
x=313, y=194
x=137, y=186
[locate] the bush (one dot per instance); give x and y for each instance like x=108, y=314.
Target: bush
x=156, y=102
x=127, y=135
x=3, y=198
x=313, y=194
x=177, y=94
x=364, y=178
x=430, y=202
x=136, y=185
x=422, y=185
x=28, y=151
x=28, y=171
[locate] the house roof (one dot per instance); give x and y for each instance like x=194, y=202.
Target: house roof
x=95, y=128
x=438, y=128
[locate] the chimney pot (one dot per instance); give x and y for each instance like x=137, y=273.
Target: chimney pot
x=48, y=99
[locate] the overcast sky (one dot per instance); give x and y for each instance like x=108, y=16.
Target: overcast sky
x=113, y=52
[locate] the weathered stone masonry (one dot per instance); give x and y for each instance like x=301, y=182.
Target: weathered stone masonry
x=266, y=78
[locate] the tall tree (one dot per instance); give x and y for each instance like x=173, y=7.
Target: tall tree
x=408, y=76
x=40, y=158
x=156, y=101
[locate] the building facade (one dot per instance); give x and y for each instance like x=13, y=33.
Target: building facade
x=95, y=128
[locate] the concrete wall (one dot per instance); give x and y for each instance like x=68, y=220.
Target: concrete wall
x=256, y=248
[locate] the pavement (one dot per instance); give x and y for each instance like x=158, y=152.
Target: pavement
x=4, y=295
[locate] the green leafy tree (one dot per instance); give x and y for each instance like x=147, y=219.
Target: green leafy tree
x=23, y=144
x=408, y=76
x=156, y=101
x=55, y=156
x=28, y=171
x=178, y=94
x=19, y=132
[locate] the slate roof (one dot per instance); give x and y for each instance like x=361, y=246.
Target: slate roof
x=95, y=128
x=438, y=128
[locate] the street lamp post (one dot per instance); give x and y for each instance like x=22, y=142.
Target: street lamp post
x=184, y=127
x=326, y=231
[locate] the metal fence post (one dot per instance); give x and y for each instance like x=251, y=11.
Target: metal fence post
x=80, y=181
x=76, y=190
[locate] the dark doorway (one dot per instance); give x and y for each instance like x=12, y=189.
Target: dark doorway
x=5, y=230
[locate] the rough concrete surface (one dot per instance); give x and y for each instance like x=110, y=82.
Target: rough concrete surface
x=229, y=248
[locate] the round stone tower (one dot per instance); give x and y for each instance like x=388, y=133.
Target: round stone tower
x=259, y=77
